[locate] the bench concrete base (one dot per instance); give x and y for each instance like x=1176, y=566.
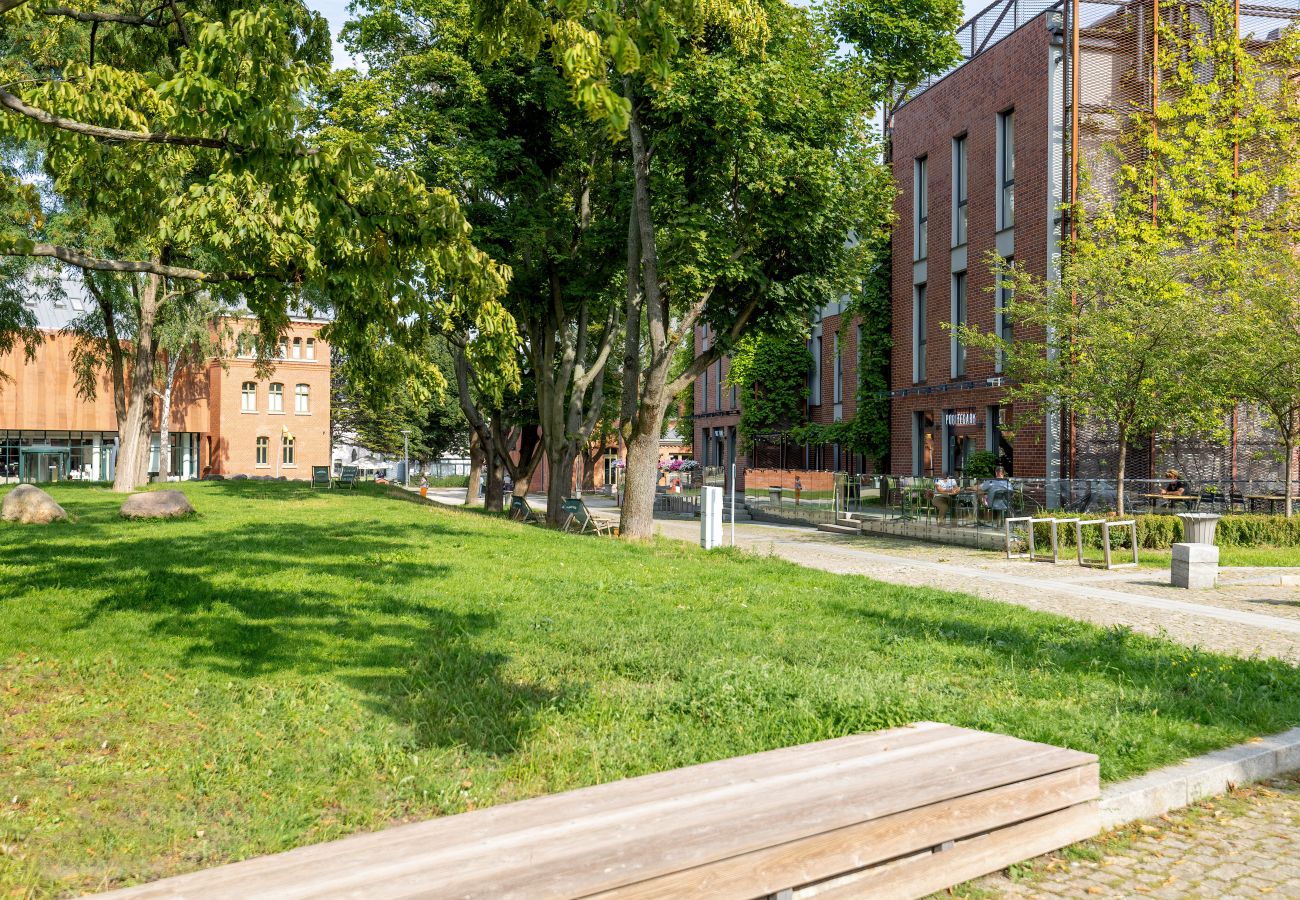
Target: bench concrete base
x=1195, y=566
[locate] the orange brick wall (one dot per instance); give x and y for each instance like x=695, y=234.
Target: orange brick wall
x=232, y=445
x=42, y=394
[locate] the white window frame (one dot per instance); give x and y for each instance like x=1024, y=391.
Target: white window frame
x=262, y=451
x=288, y=452
x=248, y=398
x=920, y=300
x=960, y=314
x=275, y=397
x=302, y=399
x=311, y=348
x=1006, y=174
x=921, y=208
x=960, y=190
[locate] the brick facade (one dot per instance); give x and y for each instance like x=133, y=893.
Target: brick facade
x=39, y=404
x=1011, y=76
x=231, y=446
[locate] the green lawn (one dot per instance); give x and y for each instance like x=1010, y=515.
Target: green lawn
x=293, y=665
x=1233, y=556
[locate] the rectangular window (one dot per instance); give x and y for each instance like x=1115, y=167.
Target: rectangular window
x=276, y=398
x=959, y=194
x=958, y=319
x=311, y=348
x=1006, y=169
x=286, y=446
x=839, y=371
x=1003, y=323
x=302, y=399
x=717, y=386
x=284, y=348
x=297, y=348
x=918, y=333
x=263, y=448
x=704, y=392
x=248, y=397
x=815, y=376
x=920, y=187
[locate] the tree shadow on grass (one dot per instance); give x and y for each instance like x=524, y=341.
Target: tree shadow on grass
x=358, y=601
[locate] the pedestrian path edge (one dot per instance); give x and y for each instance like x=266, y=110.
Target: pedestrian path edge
x=1172, y=787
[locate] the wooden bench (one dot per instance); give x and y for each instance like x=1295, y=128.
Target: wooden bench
x=897, y=813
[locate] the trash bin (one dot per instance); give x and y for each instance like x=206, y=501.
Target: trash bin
x=1198, y=528
x=774, y=493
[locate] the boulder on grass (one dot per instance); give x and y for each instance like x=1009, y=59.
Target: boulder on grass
x=157, y=505
x=29, y=505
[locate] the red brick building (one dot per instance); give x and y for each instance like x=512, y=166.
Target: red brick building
x=984, y=157
x=226, y=420
x=977, y=160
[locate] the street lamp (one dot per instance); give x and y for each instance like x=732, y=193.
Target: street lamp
x=406, y=457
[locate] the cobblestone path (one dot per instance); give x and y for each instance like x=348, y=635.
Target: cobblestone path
x=1244, y=844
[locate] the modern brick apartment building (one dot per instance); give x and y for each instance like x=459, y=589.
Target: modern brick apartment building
x=984, y=157
x=225, y=420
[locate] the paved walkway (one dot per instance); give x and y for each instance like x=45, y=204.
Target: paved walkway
x=1237, y=846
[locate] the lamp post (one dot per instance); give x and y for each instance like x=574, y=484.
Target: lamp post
x=406, y=457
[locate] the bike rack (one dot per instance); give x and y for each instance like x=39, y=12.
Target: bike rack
x=1106, y=527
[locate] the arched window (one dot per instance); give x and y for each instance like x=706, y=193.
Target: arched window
x=263, y=451
x=302, y=399
x=276, y=403
x=248, y=397
x=287, y=446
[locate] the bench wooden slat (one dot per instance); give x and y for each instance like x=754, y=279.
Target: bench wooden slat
x=819, y=857
x=925, y=873
x=657, y=828
x=653, y=848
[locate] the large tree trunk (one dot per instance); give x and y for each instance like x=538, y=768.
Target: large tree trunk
x=560, y=481
x=494, y=492
x=137, y=430
x=641, y=475
x=473, y=495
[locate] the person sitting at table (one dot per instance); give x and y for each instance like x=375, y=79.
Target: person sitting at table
x=1176, y=486
x=993, y=485
x=945, y=494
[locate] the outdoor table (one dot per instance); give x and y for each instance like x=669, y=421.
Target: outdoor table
x=1171, y=499
x=1273, y=500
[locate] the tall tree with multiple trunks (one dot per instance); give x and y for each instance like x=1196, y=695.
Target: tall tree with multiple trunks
x=750, y=163
x=539, y=183
x=178, y=148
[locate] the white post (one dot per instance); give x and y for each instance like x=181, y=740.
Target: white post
x=406, y=457
x=710, y=517
x=733, y=504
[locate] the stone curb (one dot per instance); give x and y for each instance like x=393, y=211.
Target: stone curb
x=1172, y=787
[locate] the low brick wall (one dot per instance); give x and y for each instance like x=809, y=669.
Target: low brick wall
x=757, y=479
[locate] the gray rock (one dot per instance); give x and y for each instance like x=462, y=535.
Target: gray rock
x=157, y=505
x=29, y=505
